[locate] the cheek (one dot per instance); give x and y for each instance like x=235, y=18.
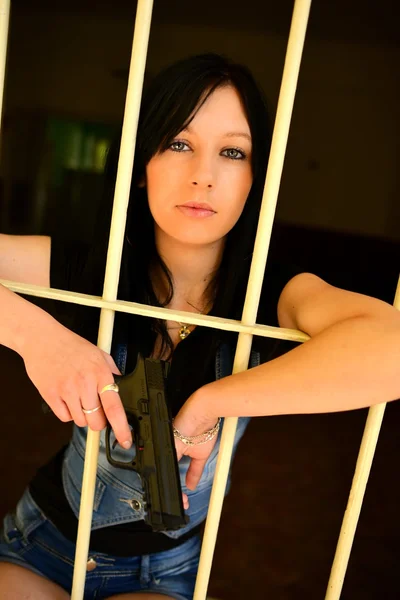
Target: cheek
x=154, y=175
x=241, y=189
x=246, y=187
x=161, y=186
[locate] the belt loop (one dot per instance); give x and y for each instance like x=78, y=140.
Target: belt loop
x=145, y=569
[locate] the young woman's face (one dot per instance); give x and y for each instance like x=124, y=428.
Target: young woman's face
x=198, y=187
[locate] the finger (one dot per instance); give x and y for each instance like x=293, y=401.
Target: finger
x=90, y=400
x=185, y=501
x=195, y=472
x=111, y=363
x=115, y=414
x=60, y=409
x=75, y=409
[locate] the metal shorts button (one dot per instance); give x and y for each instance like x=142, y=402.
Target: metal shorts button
x=91, y=564
x=135, y=504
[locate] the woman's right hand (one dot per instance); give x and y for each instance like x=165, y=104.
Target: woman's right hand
x=69, y=373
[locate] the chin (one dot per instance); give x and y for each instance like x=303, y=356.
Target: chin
x=198, y=239
x=186, y=234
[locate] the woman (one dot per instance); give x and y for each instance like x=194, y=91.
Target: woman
x=200, y=163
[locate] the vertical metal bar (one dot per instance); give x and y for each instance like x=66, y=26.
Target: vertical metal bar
x=270, y=196
x=118, y=221
x=354, y=504
x=4, y=23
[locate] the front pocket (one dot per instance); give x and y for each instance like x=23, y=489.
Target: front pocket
x=114, y=501
x=53, y=544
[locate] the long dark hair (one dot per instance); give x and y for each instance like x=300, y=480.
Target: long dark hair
x=169, y=104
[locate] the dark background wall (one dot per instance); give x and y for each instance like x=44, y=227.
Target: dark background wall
x=338, y=215
x=340, y=173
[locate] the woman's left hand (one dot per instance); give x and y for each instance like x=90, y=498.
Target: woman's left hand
x=189, y=422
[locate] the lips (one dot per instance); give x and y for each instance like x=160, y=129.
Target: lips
x=198, y=205
x=196, y=209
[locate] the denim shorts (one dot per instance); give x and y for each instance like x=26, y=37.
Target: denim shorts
x=30, y=540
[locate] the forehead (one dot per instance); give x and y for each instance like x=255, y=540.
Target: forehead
x=222, y=111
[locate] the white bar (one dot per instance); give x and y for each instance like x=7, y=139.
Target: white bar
x=354, y=504
x=118, y=221
x=270, y=196
x=279, y=333
x=246, y=328
x=4, y=23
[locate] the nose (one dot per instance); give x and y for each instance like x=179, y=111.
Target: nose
x=209, y=185
x=202, y=174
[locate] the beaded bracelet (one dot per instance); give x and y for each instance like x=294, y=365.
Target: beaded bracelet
x=201, y=438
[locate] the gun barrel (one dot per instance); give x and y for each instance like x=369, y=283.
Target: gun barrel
x=165, y=490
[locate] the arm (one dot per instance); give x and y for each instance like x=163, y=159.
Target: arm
x=66, y=369
x=25, y=259
x=351, y=361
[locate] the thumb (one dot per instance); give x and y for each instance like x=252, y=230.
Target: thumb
x=111, y=363
x=195, y=472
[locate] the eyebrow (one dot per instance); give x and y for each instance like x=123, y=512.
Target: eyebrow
x=238, y=134
x=229, y=134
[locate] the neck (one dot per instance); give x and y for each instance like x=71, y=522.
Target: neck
x=192, y=267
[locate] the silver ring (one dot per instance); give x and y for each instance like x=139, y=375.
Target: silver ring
x=111, y=387
x=91, y=410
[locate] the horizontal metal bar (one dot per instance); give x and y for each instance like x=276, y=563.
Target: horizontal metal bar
x=279, y=333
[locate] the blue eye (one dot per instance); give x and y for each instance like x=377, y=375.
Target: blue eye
x=179, y=147
x=234, y=154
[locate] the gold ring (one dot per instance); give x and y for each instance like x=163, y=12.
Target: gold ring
x=90, y=410
x=111, y=387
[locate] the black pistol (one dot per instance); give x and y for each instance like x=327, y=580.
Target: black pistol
x=143, y=396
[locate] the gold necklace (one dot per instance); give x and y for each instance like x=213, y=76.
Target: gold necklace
x=184, y=330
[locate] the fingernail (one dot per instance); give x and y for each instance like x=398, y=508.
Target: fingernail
x=127, y=444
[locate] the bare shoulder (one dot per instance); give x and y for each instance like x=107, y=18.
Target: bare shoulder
x=310, y=304
x=25, y=258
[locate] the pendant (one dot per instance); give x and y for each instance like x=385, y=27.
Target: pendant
x=184, y=331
